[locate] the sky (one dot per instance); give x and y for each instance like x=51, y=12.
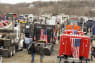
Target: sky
x=20, y=1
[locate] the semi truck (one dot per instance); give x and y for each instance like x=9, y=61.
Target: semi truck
x=45, y=33
x=74, y=47
x=42, y=34
x=11, y=40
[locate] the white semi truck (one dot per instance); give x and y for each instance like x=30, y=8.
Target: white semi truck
x=11, y=40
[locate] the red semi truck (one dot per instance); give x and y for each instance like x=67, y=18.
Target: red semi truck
x=66, y=45
x=74, y=44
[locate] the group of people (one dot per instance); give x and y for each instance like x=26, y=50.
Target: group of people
x=33, y=52
x=30, y=46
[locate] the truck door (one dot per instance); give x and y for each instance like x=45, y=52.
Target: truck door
x=85, y=47
x=65, y=47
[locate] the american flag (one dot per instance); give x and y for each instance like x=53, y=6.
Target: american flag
x=75, y=45
x=43, y=35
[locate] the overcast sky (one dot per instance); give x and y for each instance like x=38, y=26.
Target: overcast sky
x=19, y=1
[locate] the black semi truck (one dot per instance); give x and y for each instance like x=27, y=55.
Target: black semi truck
x=49, y=41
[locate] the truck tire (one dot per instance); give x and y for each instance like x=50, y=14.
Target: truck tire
x=10, y=53
x=47, y=52
x=13, y=51
x=12, y=41
x=20, y=45
x=21, y=49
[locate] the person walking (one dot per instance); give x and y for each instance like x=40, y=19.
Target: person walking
x=41, y=53
x=32, y=51
x=92, y=53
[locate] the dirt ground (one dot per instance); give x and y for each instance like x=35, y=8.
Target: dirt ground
x=24, y=57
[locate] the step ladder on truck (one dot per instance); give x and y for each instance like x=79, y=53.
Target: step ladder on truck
x=74, y=47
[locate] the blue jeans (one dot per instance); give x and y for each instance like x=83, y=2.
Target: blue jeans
x=41, y=56
x=33, y=56
x=27, y=45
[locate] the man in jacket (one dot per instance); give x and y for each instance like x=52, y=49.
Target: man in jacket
x=32, y=51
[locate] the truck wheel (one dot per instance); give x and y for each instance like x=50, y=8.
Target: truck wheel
x=47, y=52
x=21, y=49
x=10, y=54
x=12, y=41
x=13, y=53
